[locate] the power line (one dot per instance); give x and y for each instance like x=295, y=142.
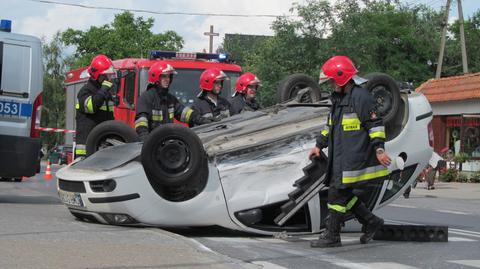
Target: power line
x=163, y=12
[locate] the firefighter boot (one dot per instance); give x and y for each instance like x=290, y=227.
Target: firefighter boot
x=370, y=222
x=331, y=236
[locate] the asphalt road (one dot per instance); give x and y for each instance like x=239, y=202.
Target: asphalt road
x=36, y=231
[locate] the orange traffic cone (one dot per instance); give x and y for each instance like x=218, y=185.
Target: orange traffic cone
x=48, y=172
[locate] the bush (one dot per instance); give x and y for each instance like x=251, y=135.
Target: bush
x=475, y=178
x=462, y=177
x=449, y=175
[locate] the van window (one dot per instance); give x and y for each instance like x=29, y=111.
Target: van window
x=16, y=68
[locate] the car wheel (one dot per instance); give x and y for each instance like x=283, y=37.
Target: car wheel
x=17, y=179
x=290, y=86
x=175, y=162
x=102, y=135
x=386, y=93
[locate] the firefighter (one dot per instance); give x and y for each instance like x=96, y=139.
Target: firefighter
x=245, y=93
x=355, y=137
x=209, y=103
x=94, y=101
x=157, y=106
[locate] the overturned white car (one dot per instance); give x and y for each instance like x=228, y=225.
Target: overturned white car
x=237, y=173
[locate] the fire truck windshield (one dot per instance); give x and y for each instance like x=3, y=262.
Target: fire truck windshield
x=185, y=84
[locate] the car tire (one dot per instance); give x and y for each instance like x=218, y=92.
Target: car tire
x=17, y=179
x=111, y=129
x=175, y=162
x=386, y=93
x=292, y=84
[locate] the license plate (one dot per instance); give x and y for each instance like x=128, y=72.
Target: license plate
x=71, y=198
x=15, y=109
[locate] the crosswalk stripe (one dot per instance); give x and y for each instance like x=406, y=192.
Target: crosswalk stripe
x=402, y=206
x=451, y=212
x=268, y=265
x=374, y=265
x=461, y=239
x=472, y=263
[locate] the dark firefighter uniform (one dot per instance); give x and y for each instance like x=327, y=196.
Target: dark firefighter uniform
x=157, y=106
x=94, y=106
x=239, y=104
x=207, y=108
x=353, y=134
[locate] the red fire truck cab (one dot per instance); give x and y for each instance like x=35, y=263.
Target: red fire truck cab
x=185, y=85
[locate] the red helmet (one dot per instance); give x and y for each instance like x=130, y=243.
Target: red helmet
x=208, y=77
x=159, y=68
x=101, y=64
x=245, y=80
x=339, y=68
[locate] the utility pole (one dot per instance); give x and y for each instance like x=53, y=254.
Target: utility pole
x=211, y=34
x=462, y=37
x=442, y=44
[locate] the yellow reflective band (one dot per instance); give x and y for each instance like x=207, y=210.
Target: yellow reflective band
x=352, y=202
x=104, y=108
x=324, y=132
x=170, y=115
x=140, y=124
x=363, y=177
x=107, y=83
x=81, y=151
x=89, y=105
x=188, y=114
x=337, y=208
x=351, y=121
x=77, y=106
x=157, y=117
x=377, y=134
x=330, y=121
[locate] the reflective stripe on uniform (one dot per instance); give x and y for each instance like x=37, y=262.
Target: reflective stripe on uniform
x=186, y=113
x=364, y=174
x=324, y=132
x=171, y=112
x=341, y=208
x=142, y=121
x=351, y=122
x=88, y=105
x=104, y=108
x=107, y=83
x=80, y=149
x=157, y=115
x=377, y=132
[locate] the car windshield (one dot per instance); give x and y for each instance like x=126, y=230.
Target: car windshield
x=185, y=84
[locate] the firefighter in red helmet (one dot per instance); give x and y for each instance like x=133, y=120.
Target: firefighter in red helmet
x=94, y=101
x=209, y=103
x=244, y=97
x=355, y=137
x=157, y=106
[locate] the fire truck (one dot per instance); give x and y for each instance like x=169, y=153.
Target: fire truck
x=133, y=81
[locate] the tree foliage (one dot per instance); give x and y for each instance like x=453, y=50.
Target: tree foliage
x=379, y=36
x=125, y=37
x=53, y=111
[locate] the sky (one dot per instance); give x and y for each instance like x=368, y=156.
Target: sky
x=34, y=17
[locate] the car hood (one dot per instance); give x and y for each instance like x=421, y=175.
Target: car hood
x=111, y=157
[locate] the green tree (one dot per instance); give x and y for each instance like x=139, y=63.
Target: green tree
x=379, y=35
x=53, y=110
x=453, y=57
x=125, y=37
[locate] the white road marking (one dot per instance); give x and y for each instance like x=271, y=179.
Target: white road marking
x=268, y=265
x=374, y=265
x=403, y=206
x=464, y=231
x=460, y=239
x=450, y=230
x=472, y=263
x=452, y=212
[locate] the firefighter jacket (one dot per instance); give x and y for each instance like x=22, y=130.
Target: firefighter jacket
x=94, y=106
x=207, y=108
x=353, y=133
x=157, y=106
x=239, y=104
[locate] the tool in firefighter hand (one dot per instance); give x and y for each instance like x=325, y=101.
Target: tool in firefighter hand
x=307, y=187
